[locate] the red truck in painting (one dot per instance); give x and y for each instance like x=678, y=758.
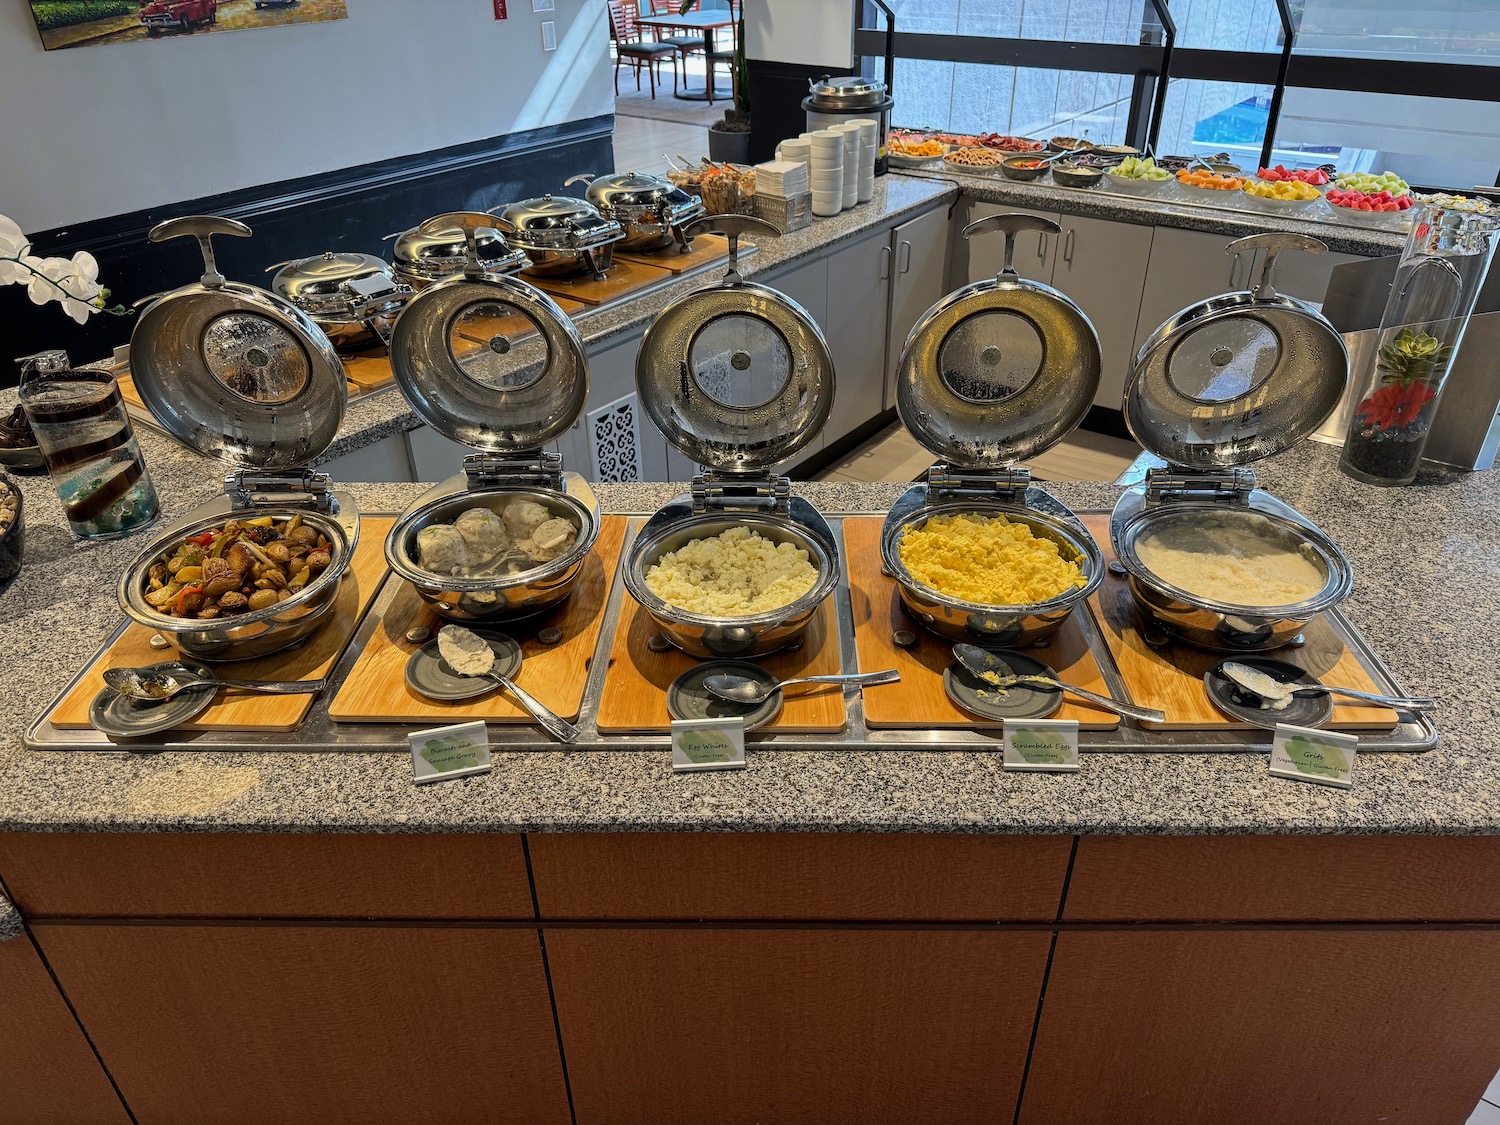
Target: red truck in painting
x=178, y=15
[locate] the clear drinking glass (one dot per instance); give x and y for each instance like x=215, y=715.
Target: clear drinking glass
x=1438, y=279
x=85, y=435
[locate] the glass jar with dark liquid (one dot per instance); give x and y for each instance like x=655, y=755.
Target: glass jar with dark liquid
x=85, y=435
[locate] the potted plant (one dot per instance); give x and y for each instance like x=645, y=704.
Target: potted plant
x=1391, y=423
x=729, y=140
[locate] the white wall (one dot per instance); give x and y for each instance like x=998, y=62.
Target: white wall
x=807, y=32
x=95, y=131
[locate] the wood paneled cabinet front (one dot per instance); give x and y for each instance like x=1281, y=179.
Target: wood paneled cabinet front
x=337, y=1023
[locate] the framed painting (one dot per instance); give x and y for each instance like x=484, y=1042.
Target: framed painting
x=90, y=23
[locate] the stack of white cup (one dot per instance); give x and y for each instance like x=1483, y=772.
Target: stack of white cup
x=828, y=172
x=850, y=134
x=796, y=148
x=869, y=147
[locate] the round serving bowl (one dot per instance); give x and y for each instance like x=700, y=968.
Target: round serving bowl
x=1013, y=170
x=1011, y=625
x=1279, y=206
x=1072, y=175
x=710, y=637
x=244, y=636
x=1225, y=626
x=1137, y=186
x=492, y=598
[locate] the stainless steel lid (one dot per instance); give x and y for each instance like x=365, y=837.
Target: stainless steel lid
x=737, y=376
x=849, y=92
x=1238, y=377
x=999, y=370
x=633, y=189
x=442, y=251
x=333, y=284
x=488, y=360
x=235, y=372
x=558, y=222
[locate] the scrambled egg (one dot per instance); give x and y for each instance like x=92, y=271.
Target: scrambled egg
x=987, y=560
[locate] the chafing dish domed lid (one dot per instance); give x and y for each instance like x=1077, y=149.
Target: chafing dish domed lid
x=233, y=371
x=737, y=376
x=634, y=189
x=420, y=247
x=325, y=274
x=1240, y=377
x=488, y=360
x=848, y=92
x=999, y=370
x=553, y=216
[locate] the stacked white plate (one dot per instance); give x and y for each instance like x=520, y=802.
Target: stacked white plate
x=869, y=147
x=850, y=132
x=827, y=170
x=784, y=178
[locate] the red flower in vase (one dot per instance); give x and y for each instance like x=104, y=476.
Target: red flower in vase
x=1394, y=406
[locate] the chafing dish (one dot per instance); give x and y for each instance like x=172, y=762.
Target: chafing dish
x=561, y=235
x=354, y=298
x=993, y=374
x=1230, y=381
x=243, y=375
x=493, y=363
x=423, y=256
x=653, y=212
x=738, y=377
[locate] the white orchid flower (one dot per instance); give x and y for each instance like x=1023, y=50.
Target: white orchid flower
x=13, y=244
x=83, y=288
x=47, y=275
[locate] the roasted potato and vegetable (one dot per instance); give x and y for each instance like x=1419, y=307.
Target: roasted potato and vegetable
x=244, y=566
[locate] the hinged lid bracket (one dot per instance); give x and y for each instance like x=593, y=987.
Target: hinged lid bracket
x=997, y=484
x=251, y=488
x=770, y=493
x=530, y=466
x=1224, y=486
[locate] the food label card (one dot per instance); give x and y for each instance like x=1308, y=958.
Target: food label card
x=1323, y=757
x=441, y=753
x=708, y=744
x=1041, y=744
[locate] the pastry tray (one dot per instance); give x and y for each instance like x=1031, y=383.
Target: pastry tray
x=319, y=734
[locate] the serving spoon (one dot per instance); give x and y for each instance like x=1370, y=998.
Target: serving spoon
x=987, y=666
x=742, y=689
x=1269, y=688
x=145, y=683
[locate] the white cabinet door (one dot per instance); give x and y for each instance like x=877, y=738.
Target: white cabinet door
x=614, y=440
x=858, y=299
x=1186, y=267
x=918, y=281
x=1102, y=266
x=975, y=259
x=383, y=462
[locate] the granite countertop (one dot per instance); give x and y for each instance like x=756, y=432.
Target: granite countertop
x=1156, y=211
x=10, y=919
x=1425, y=597
x=386, y=413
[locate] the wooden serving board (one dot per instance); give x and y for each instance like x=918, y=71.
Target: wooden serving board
x=624, y=277
x=1171, y=678
x=375, y=689
x=919, y=701
x=242, y=710
x=707, y=248
x=369, y=370
x=635, y=690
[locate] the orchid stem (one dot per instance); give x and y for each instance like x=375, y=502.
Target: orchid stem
x=118, y=310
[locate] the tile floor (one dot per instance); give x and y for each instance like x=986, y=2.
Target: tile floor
x=640, y=143
x=894, y=455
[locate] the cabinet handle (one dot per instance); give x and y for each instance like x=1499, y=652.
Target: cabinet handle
x=904, y=262
x=1234, y=268
x=1041, y=247
x=885, y=262
x=1068, y=247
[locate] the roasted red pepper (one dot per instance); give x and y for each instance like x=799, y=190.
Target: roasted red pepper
x=182, y=595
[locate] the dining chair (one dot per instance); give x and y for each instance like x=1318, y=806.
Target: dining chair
x=728, y=55
x=636, y=51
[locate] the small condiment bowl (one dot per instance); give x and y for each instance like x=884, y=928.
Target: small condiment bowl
x=1014, y=167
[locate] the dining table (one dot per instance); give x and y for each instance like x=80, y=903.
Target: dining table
x=708, y=22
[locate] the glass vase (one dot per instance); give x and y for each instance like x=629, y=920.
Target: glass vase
x=90, y=448
x=1442, y=268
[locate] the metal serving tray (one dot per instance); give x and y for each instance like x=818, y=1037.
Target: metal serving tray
x=319, y=734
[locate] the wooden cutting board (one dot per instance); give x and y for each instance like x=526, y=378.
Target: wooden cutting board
x=624, y=277
x=635, y=690
x=375, y=689
x=707, y=248
x=919, y=700
x=241, y=710
x=1171, y=678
